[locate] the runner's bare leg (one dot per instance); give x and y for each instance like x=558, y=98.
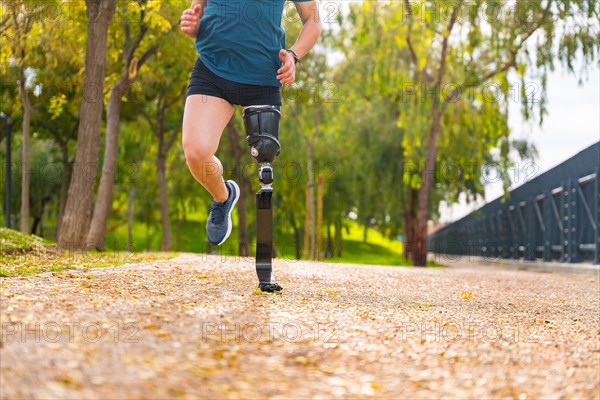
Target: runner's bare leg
x=204, y=119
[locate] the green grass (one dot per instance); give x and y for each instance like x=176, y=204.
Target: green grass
x=5, y=272
x=28, y=254
x=16, y=242
x=377, y=250
x=22, y=254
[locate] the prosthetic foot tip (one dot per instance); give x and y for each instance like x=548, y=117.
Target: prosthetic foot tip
x=269, y=287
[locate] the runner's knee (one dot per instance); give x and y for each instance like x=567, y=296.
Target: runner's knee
x=197, y=152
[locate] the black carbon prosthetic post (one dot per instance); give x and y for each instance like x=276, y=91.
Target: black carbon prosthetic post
x=264, y=241
x=262, y=129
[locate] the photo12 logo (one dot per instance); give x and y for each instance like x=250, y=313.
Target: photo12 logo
x=252, y=332
x=55, y=332
x=467, y=331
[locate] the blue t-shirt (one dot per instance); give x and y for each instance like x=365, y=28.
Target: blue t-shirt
x=239, y=40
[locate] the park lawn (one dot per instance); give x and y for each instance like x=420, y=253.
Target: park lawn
x=29, y=254
x=189, y=236
x=22, y=254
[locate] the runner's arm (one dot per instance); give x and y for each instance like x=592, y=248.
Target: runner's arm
x=311, y=27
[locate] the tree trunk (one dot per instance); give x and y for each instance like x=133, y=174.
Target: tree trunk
x=338, y=238
x=97, y=233
x=76, y=218
x=309, y=220
x=297, y=236
x=409, y=223
x=238, y=155
x=148, y=241
x=329, y=244
x=427, y=178
x=319, y=233
x=130, y=244
x=243, y=237
x=36, y=223
x=64, y=184
x=165, y=217
x=178, y=234
x=25, y=158
x=406, y=243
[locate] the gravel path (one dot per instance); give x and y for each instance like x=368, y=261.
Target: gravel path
x=193, y=327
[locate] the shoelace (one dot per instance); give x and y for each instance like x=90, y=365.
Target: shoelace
x=217, y=214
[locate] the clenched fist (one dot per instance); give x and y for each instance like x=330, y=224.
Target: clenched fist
x=287, y=73
x=190, y=21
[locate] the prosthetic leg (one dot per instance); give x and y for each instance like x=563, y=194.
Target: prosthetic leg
x=262, y=130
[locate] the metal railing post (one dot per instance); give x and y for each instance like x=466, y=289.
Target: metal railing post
x=596, y=205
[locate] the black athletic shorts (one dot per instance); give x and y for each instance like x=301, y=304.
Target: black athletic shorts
x=204, y=82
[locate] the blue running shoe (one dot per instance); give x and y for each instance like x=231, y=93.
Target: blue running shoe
x=218, y=226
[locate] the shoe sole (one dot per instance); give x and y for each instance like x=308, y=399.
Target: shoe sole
x=230, y=223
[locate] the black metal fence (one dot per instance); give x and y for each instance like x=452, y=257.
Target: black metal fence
x=553, y=217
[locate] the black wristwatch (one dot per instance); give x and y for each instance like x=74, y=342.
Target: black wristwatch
x=296, y=58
